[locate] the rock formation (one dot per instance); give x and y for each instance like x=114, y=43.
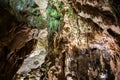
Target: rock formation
x=83, y=38
x=87, y=45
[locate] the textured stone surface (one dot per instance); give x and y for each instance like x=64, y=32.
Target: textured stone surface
x=87, y=47
x=17, y=38
x=83, y=38
x=37, y=57
x=26, y=11
x=19, y=27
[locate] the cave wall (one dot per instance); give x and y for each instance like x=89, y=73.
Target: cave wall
x=20, y=22
x=17, y=40
x=87, y=47
x=83, y=38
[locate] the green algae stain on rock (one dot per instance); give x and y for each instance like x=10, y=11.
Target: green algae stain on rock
x=54, y=15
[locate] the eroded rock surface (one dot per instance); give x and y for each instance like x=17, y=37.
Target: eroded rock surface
x=87, y=47
x=31, y=65
x=83, y=39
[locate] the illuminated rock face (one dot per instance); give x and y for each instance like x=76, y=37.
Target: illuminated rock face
x=83, y=38
x=87, y=47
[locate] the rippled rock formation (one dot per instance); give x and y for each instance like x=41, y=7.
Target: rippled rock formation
x=83, y=38
x=87, y=47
